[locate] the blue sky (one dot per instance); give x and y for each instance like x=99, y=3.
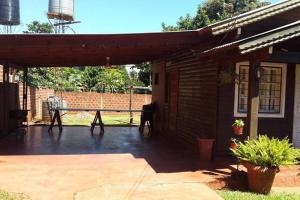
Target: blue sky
x=114, y=16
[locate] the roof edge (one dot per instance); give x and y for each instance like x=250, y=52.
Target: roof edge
x=253, y=16
x=259, y=41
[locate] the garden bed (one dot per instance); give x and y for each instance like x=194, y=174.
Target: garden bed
x=239, y=195
x=234, y=187
x=12, y=196
x=288, y=176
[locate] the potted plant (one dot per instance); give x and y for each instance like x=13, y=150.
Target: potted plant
x=228, y=75
x=234, y=143
x=262, y=158
x=238, y=126
x=205, y=147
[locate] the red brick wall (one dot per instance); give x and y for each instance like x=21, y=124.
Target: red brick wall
x=35, y=98
x=105, y=101
x=83, y=100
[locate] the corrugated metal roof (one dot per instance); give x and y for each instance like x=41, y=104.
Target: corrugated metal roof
x=260, y=41
x=220, y=48
x=286, y=33
x=253, y=16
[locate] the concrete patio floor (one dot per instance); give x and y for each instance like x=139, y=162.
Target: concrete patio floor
x=120, y=165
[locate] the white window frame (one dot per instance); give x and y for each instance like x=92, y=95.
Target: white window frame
x=283, y=92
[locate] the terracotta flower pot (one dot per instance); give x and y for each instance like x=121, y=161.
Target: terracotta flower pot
x=260, y=179
x=205, y=148
x=233, y=145
x=238, y=130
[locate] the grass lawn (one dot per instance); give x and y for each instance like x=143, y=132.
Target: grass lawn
x=10, y=196
x=237, y=195
x=85, y=119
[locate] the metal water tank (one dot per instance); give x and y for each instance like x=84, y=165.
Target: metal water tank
x=61, y=9
x=9, y=12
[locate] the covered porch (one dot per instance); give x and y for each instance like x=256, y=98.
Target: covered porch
x=73, y=164
x=76, y=164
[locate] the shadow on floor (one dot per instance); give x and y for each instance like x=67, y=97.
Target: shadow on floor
x=116, y=140
x=236, y=181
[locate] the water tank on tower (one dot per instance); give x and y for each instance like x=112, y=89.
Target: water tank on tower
x=61, y=10
x=9, y=12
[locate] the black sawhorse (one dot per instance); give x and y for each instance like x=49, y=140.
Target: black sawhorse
x=95, y=123
x=97, y=119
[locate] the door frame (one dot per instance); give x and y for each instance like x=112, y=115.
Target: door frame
x=296, y=108
x=169, y=85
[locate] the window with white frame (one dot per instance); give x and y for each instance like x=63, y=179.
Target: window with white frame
x=271, y=89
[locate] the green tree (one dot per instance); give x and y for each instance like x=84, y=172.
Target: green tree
x=40, y=77
x=134, y=78
x=212, y=11
x=145, y=70
x=71, y=79
x=39, y=27
x=116, y=79
x=92, y=79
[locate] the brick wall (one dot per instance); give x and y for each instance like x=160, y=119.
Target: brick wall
x=36, y=97
x=104, y=101
x=84, y=100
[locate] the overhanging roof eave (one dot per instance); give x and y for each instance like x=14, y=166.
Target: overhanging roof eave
x=253, y=16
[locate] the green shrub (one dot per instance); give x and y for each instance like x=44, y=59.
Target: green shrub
x=267, y=152
x=238, y=123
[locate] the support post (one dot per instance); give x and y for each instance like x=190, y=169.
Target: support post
x=25, y=87
x=130, y=105
x=253, y=99
x=5, y=73
x=5, y=108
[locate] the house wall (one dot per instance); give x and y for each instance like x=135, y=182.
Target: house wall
x=197, y=97
x=1, y=73
x=276, y=127
x=158, y=95
x=197, y=102
x=10, y=102
x=205, y=106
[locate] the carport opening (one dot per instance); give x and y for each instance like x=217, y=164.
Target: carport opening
x=78, y=139
x=26, y=51
x=108, y=98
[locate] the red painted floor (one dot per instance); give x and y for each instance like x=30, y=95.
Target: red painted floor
x=120, y=165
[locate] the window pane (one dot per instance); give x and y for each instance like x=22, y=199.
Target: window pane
x=269, y=89
x=243, y=73
x=243, y=88
x=243, y=105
